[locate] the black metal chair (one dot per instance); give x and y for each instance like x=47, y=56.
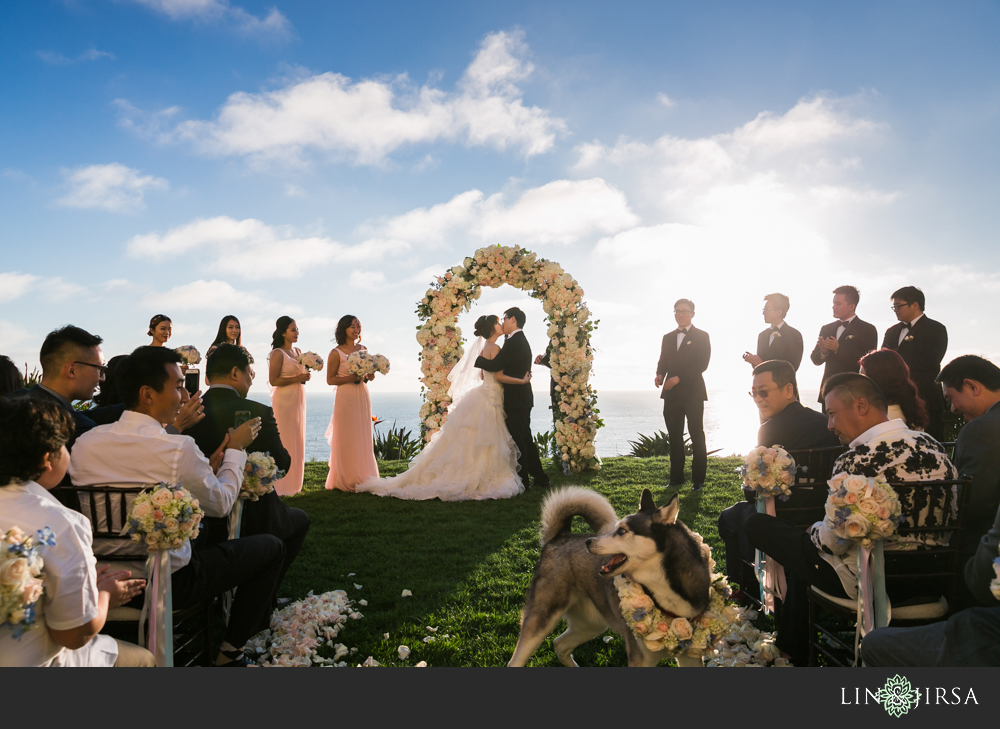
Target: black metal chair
x=930, y=575
x=107, y=507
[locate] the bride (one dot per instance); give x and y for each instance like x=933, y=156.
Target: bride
x=472, y=456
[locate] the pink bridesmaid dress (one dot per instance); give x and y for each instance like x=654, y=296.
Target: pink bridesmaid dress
x=289, y=405
x=350, y=435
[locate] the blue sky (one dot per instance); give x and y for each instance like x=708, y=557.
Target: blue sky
x=202, y=157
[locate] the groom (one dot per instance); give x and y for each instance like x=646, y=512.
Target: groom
x=514, y=360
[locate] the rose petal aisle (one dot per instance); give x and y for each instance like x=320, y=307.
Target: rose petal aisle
x=300, y=630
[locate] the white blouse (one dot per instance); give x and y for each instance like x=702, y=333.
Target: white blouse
x=69, y=574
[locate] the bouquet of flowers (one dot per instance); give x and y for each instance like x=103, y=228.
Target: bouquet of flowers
x=164, y=517
x=311, y=361
x=861, y=509
x=189, y=354
x=381, y=363
x=769, y=472
x=259, y=476
x=362, y=364
x=21, y=576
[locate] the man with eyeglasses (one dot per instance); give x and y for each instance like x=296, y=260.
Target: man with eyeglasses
x=779, y=340
x=72, y=369
x=845, y=341
x=786, y=423
x=684, y=356
x=922, y=343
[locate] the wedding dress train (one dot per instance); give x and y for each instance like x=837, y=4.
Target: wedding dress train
x=471, y=457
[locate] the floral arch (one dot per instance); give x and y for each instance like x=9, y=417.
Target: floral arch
x=570, y=326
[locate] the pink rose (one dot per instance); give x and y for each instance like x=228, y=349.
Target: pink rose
x=141, y=510
x=882, y=513
x=682, y=629
x=16, y=572
x=641, y=628
x=157, y=515
x=32, y=591
x=161, y=497
x=14, y=535
x=662, y=627
x=178, y=495
x=851, y=497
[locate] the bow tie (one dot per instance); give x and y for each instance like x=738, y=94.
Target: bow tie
x=773, y=329
x=681, y=331
x=839, y=323
x=907, y=325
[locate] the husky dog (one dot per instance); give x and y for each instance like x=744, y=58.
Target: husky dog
x=574, y=574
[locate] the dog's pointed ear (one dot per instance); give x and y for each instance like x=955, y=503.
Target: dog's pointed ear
x=668, y=514
x=646, y=503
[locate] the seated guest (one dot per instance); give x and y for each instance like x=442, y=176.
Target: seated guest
x=971, y=385
x=787, y=423
x=857, y=415
x=968, y=638
x=137, y=450
x=779, y=340
x=10, y=376
x=229, y=374
x=889, y=372
x=72, y=368
x=108, y=395
x=76, y=595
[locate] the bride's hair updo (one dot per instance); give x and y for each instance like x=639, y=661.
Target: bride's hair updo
x=485, y=325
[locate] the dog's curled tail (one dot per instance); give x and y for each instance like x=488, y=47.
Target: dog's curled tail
x=560, y=506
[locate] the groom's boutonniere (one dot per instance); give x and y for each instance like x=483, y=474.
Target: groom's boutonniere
x=688, y=342
x=908, y=338
x=777, y=334
x=850, y=336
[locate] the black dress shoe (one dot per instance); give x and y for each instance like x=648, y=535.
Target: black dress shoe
x=544, y=484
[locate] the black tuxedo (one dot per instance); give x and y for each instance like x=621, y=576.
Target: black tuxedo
x=859, y=338
x=787, y=345
x=546, y=361
x=922, y=349
x=514, y=360
x=269, y=514
x=686, y=399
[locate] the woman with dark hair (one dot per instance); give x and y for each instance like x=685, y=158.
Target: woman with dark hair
x=288, y=400
x=888, y=370
x=10, y=376
x=472, y=456
x=350, y=434
x=229, y=333
x=160, y=329
x=108, y=394
x=75, y=595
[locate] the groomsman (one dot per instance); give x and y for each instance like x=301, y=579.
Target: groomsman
x=843, y=342
x=921, y=342
x=684, y=355
x=779, y=340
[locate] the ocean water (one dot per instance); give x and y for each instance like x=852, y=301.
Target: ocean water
x=731, y=420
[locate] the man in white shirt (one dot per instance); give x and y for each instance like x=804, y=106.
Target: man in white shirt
x=856, y=409
x=137, y=450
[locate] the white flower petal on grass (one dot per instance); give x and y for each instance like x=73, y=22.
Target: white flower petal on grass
x=429, y=639
x=340, y=650
x=433, y=630
x=385, y=636
x=357, y=586
x=407, y=593
x=363, y=603
x=403, y=652
x=370, y=663
x=350, y=574
x=353, y=651
x=608, y=638
x=422, y=664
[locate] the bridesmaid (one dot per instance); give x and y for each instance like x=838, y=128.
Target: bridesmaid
x=160, y=328
x=229, y=333
x=352, y=451
x=288, y=400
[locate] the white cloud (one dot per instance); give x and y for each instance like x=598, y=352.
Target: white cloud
x=560, y=212
x=274, y=24
x=365, y=121
x=294, y=191
x=209, y=296
x=666, y=101
x=254, y=250
x=58, y=59
x=112, y=187
x=368, y=280
x=58, y=290
x=15, y=285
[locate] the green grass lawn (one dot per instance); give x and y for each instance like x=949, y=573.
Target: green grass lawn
x=468, y=564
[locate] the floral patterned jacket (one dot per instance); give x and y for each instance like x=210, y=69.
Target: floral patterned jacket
x=900, y=454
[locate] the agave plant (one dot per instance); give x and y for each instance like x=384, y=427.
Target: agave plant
x=658, y=444
x=30, y=380
x=397, y=444
x=546, y=443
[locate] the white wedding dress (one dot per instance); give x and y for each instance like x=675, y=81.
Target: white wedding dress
x=472, y=456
